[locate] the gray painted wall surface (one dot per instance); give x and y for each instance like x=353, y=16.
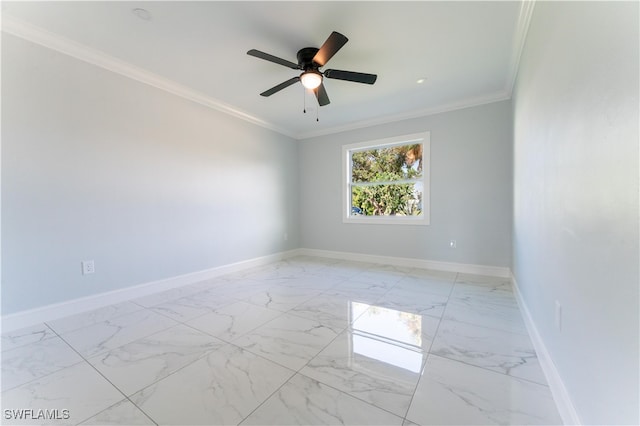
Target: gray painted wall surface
x=576, y=198
x=149, y=185
x=470, y=191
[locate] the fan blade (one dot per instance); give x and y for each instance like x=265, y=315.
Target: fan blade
x=321, y=95
x=358, y=77
x=280, y=86
x=329, y=48
x=271, y=58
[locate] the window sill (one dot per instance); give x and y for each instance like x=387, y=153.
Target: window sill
x=386, y=220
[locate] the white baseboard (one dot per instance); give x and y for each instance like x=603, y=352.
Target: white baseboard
x=560, y=394
x=496, y=271
x=59, y=310
x=71, y=307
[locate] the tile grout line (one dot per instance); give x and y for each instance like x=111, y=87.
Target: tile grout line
x=490, y=370
x=52, y=327
x=105, y=378
x=48, y=374
x=298, y=371
x=348, y=327
x=295, y=372
x=228, y=342
x=428, y=354
x=338, y=333
x=489, y=328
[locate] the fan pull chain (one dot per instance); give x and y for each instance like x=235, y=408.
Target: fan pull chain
x=304, y=105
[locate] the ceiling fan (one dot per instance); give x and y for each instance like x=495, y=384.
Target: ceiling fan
x=310, y=60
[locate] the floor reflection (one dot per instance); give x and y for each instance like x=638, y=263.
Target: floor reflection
x=387, y=335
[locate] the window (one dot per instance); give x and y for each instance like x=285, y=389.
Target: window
x=387, y=181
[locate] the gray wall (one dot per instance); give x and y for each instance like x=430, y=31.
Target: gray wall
x=575, y=237
x=470, y=191
x=149, y=185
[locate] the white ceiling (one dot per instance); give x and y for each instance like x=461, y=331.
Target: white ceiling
x=467, y=52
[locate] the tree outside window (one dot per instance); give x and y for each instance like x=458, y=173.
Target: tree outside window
x=387, y=179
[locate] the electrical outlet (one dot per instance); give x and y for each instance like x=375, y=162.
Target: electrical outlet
x=558, y=316
x=452, y=244
x=88, y=267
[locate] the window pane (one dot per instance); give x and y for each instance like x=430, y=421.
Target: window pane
x=403, y=199
x=387, y=164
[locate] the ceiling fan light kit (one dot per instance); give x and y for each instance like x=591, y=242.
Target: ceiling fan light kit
x=311, y=79
x=310, y=60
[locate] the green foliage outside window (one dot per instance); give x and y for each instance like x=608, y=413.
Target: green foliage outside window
x=387, y=181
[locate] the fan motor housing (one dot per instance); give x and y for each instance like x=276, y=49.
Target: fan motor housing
x=305, y=58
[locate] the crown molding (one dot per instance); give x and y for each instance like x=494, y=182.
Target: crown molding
x=519, y=39
x=58, y=43
x=453, y=106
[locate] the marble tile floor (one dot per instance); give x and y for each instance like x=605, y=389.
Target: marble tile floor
x=302, y=341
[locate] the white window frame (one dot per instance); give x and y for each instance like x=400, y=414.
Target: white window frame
x=423, y=138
